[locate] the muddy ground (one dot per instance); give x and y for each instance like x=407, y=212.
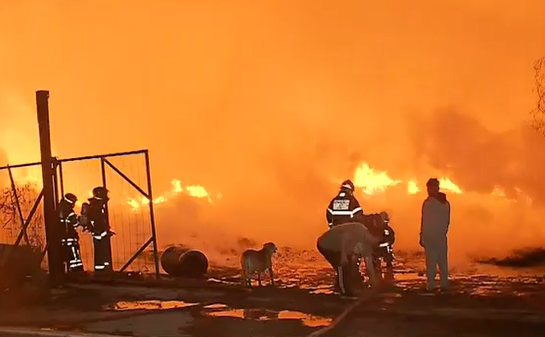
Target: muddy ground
x=483, y=301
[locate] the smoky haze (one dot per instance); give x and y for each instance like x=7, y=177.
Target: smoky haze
x=267, y=102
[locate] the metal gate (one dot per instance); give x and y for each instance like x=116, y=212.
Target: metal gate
x=22, y=194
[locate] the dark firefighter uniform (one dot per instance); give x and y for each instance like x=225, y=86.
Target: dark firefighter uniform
x=379, y=225
x=69, y=223
x=96, y=219
x=387, y=241
x=343, y=208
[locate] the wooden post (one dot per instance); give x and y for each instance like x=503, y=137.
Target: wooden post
x=52, y=229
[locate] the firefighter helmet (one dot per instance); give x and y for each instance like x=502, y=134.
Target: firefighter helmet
x=71, y=198
x=100, y=193
x=347, y=185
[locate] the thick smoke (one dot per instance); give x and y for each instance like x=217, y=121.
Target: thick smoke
x=482, y=162
x=480, y=159
x=267, y=102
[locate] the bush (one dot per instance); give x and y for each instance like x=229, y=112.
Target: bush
x=10, y=220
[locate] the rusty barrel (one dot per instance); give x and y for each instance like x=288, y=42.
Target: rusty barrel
x=184, y=262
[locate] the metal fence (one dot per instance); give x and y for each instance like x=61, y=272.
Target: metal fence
x=131, y=215
x=21, y=217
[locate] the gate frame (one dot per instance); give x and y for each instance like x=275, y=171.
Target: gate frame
x=59, y=192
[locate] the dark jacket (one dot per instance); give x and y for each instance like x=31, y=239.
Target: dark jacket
x=68, y=218
x=342, y=209
x=95, y=211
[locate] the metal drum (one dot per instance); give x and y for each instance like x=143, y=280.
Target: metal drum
x=184, y=262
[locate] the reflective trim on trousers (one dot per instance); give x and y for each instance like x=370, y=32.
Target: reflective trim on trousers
x=75, y=261
x=69, y=241
x=100, y=236
x=102, y=267
x=75, y=264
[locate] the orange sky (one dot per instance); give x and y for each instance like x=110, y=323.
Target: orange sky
x=266, y=100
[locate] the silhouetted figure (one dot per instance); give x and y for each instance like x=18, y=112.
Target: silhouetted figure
x=95, y=218
x=433, y=234
x=68, y=220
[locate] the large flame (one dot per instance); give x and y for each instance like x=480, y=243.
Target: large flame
x=371, y=181
x=196, y=191
x=412, y=187
x=447, y=185
x=368, y=180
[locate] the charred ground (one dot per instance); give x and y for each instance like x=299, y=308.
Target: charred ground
x=484, y=301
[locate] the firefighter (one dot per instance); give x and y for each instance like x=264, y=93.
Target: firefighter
x=344, y=207
x=95, y=219
x=388, y=240
x=69, y=223
x=379, y=225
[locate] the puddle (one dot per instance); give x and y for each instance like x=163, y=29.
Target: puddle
x=215, y=306
x=325, y=291
x=322, y=289
x=267, y=315
x=306, y=319
x=148, y=305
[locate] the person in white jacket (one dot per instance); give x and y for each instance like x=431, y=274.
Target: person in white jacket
x=433, y=234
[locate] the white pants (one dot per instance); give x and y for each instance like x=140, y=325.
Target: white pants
x=436, y=255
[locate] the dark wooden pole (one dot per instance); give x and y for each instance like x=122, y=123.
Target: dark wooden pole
x=52, y=229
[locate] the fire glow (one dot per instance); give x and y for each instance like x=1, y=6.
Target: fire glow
x=367, y=180
x=195, y=191
x=371, y=181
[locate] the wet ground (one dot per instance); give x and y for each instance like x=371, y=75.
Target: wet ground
x=483, y=301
